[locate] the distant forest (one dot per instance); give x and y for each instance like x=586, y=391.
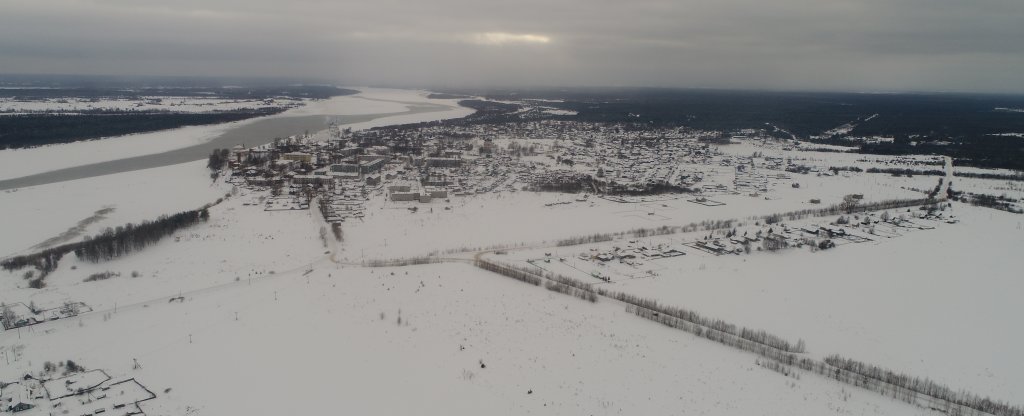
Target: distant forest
x=956, y=125
x=36, y=129
x=233, y=93
x=28, y=130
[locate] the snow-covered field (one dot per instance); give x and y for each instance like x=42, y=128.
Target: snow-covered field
x=36, y=214
x=23, y=162
x=932, y=303
x=391, y=230
x=273, y=320
x=560, y=348
x=576, y=357
x=240, y=241
x=443, y=339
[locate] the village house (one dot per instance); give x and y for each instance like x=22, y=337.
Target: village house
x=15, y=398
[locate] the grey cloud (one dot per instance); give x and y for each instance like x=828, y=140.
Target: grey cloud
x=782, y=44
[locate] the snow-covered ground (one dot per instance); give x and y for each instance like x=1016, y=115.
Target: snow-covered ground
x=23, y=162
x=443, y=339
x=36, y=214
x=274, y=320
x=563, y=349
x=390, y=229
x=933, y=303
x=240, y=241
x=995, y=187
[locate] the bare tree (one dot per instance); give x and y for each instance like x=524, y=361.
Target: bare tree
x=849, y=203
x=7, y=316
x=70, y=308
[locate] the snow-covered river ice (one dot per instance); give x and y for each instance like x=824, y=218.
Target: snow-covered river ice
x=258, y=132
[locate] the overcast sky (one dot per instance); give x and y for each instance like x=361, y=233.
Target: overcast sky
x=857, y=45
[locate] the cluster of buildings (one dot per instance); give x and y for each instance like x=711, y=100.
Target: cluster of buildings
x=633, y=253
x=81, y=393
x=424, y=163
x=17, y=315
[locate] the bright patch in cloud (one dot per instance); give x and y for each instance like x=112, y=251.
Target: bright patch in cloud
x=502, y=38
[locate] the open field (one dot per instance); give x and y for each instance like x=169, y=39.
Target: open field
x=367, y=334
x=852, y=300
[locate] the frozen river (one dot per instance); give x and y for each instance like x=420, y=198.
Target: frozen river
x=260, y=131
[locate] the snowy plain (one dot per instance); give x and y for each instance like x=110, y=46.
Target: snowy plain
x=936, y=303
x=271, y=312
x=400, y=341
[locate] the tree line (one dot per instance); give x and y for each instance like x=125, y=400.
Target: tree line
x=109, y=244
x=847, y=208
x=114, y=243
x=925, y=386
x=553, y=282
x=1018, y=177
x=28, y=130
x=907, y=172
x=1002, y=202
x=570, y=286
x=411, y=261
x=505, y=270
x=707, y=225
x=900, y=386
x=655, y=309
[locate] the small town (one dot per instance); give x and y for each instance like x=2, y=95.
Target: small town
x=433, y=163
x=538, y=208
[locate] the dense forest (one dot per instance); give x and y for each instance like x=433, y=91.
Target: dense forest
x=28, y=130
x=133, y=91
x=984, y=152
x=802, y=113
x=36, y=129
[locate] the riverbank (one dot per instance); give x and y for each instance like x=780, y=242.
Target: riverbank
x=372, y=107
